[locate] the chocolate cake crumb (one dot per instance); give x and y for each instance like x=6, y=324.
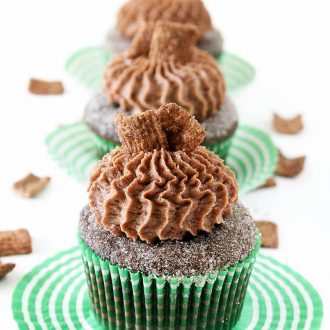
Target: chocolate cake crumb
x=100, y=118
x=226, y=245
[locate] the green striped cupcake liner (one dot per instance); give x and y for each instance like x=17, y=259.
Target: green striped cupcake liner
x=221, y=148
x=54, y=295
x=104, y=145
x=87, y=67
x=123, y=299
x=250, y=153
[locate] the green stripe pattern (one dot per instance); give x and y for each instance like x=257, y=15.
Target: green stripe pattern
x=252, y=156
x=54, y=295
x=87, y=67
x=73, y=147
x=250, y=153
x=121, y=299
x=238, y=72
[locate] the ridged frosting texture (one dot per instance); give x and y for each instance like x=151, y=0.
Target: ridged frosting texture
x=165, y=188
x=133, y=12
x=164, y=65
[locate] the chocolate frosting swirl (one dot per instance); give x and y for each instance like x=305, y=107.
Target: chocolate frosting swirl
x=163, y=65
x=161, y=184
x=134, y=12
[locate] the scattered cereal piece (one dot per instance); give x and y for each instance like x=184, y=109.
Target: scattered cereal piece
x=288, y=126
x=289, y=167
x=30, y=186
x=15, y=242
x=42, y=87
x=269, y=234
x=5, y=269
x=268, y=183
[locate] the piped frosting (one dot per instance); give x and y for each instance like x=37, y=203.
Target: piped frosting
x=133, y=12
x=163, y=65
x=161, y=184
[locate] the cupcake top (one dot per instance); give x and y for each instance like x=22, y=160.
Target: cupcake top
x=164, y=65
x=161, y=184
x=134, y=12
x=224, y=246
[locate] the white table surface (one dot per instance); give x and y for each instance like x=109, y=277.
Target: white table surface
x=287, y=41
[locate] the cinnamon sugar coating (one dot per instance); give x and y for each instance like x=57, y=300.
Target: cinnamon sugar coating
x=165, y=187
x=133, y=12
x=226, y=245
x=163, y=65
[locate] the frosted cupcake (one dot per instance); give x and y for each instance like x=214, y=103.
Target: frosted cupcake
x=164, y=241
x=134, y=12
x=163, y=65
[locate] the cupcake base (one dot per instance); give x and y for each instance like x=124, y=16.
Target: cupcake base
x=212, y=42
x=100, y=118
x=196, y=284
x=123, y=299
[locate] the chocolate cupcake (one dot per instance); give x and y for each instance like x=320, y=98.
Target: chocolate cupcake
x=134, y=12
x=163, y=65
x=164, y=241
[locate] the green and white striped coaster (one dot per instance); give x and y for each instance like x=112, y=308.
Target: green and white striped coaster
x=252, y=155
x=53, y=295
x=72, y=146
x=87, y=66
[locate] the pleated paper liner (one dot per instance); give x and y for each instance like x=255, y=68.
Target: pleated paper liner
x=87, y=66
x=54, y=295
x=122, y=299
x=252, y=154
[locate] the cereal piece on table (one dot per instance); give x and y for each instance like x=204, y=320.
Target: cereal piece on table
x=287, y=126
x=269, y=234
x=289, y=167
x=15, y=242
x=5, y=269
x=270, y=182
x=42, y=87
x=30, y=186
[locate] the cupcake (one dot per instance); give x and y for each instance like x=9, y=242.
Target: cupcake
x=134, y=12
x=165, y=243
x=163, y=65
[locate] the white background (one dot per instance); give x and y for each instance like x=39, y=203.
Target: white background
x=288, y=42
